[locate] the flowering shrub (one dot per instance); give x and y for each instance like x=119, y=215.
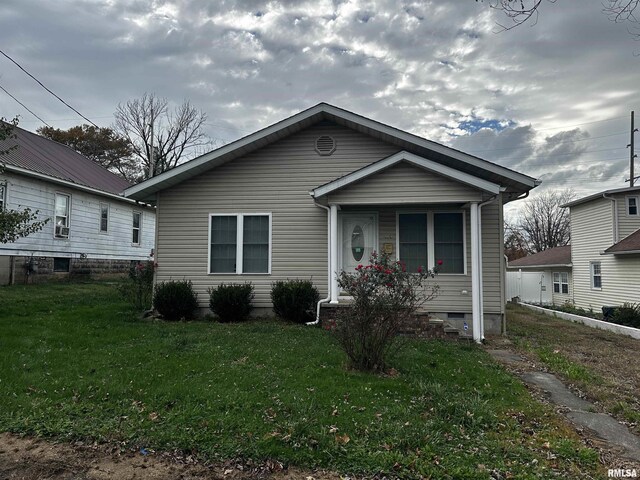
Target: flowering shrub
x=385, y=296
x=138, y=288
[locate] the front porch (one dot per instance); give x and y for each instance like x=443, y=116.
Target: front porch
x=424, y=216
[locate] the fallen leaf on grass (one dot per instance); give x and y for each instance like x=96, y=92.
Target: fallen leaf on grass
x=343, y=439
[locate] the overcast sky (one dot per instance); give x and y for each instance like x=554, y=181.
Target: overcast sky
x=550, y=100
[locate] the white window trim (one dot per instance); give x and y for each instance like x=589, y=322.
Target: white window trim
x=591, y=275
x=139, y=229
x=560, y=283
x=4, y=195
x=239, y=242
x=68, y=195
x=431, y=247
x=637, y=198
x=103, y=232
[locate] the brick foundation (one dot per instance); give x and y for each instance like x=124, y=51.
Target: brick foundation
x=42, y=269
x=420, y=325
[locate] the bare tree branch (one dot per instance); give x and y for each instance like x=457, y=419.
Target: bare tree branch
x=176, y=132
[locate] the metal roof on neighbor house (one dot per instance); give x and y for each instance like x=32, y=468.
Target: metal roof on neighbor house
x=514, y=182
x=553, y=257
x=44, y=156
x=629, y=244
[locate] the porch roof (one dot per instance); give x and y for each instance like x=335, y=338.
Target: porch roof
x=415, y=160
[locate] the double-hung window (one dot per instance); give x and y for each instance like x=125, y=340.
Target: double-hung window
x=3, y=195
x=240, y=243
x=632, y=206
x=104, y=217
x=62, y=210
x=596, y=275
x=136, y=230
x=560, y=282
x=432, y=239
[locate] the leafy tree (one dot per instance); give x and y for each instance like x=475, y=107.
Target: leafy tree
x=15, y=224
x=100, y=144
x=543, y=223
x=173, y=134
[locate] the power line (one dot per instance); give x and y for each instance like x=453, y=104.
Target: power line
x=24, y=106
x=580, y=124
x=47, y=89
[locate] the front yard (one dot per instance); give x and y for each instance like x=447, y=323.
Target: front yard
x=77, y=363
x=602, y=365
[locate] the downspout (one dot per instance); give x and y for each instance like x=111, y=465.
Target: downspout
x=492, y=199
x=614, y=206
x=325, y=300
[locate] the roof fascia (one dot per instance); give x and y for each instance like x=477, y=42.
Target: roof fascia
x=66, y=183
x=416, y=160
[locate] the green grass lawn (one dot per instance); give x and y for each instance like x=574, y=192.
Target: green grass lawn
x=76, y=362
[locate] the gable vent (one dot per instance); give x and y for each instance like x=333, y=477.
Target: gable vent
x=325, y=145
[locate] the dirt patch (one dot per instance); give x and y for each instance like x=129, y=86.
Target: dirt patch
x=23, y=458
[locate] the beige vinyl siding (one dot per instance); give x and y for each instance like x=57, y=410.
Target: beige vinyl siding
x=275, y=179
x=404, y=183
x=591, y=233
x=627, y=224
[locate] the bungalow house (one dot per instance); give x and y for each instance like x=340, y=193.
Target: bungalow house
x=92, y=228
x=605, y=248
x=316, y=193
x=544, y=277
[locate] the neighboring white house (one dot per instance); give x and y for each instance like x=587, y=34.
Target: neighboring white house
x=543, y=277
x=605, y=248
x=318, y=192
x=92, y=228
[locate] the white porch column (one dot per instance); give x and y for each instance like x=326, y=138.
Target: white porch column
x=334, y=254
x=475, y=273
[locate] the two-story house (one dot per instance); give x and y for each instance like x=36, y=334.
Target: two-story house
x=92, y=228
x=605, y=248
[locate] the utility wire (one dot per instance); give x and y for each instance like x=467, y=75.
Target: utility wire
x=24, y=106
x=47, y=89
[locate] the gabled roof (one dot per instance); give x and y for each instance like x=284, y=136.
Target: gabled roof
x=600, y=195
x=513, y=181
x=48, y=159
x=628, y=245
x=403, y=156
x=552, y=257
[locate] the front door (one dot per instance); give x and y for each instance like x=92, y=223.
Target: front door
x=359, y=234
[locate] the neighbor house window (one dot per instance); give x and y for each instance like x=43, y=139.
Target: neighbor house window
x=104, y=217
x=137, y=228
x=3, y=197
x=240, y=243
x=62, y=209
x=560, y=282
x=432, y=239
x=596, y=275
x=61, y=264
x=632, y=206
x=448, y=237
x=412, y=240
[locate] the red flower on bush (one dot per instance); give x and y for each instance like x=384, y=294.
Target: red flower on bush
x=440, y=262
x=420, y=269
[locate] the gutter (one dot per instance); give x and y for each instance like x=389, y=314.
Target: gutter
x=614, y=206
x=328, y=298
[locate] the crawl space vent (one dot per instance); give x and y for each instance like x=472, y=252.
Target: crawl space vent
x=325, y=145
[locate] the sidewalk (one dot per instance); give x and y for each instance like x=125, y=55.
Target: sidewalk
x=610, y=436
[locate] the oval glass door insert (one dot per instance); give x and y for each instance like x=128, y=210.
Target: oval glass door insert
x=357, y=243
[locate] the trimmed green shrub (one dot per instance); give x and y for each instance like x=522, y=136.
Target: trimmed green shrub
x=138, y=287
x=231, y=303
x=294, y=300
x=175, y=300
x=628, y=314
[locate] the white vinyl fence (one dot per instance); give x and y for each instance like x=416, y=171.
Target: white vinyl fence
x=530, y=287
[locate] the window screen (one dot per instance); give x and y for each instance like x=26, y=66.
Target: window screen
x=448, y=236
x=412, y=230
x=255, y=244
x=224, y=232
